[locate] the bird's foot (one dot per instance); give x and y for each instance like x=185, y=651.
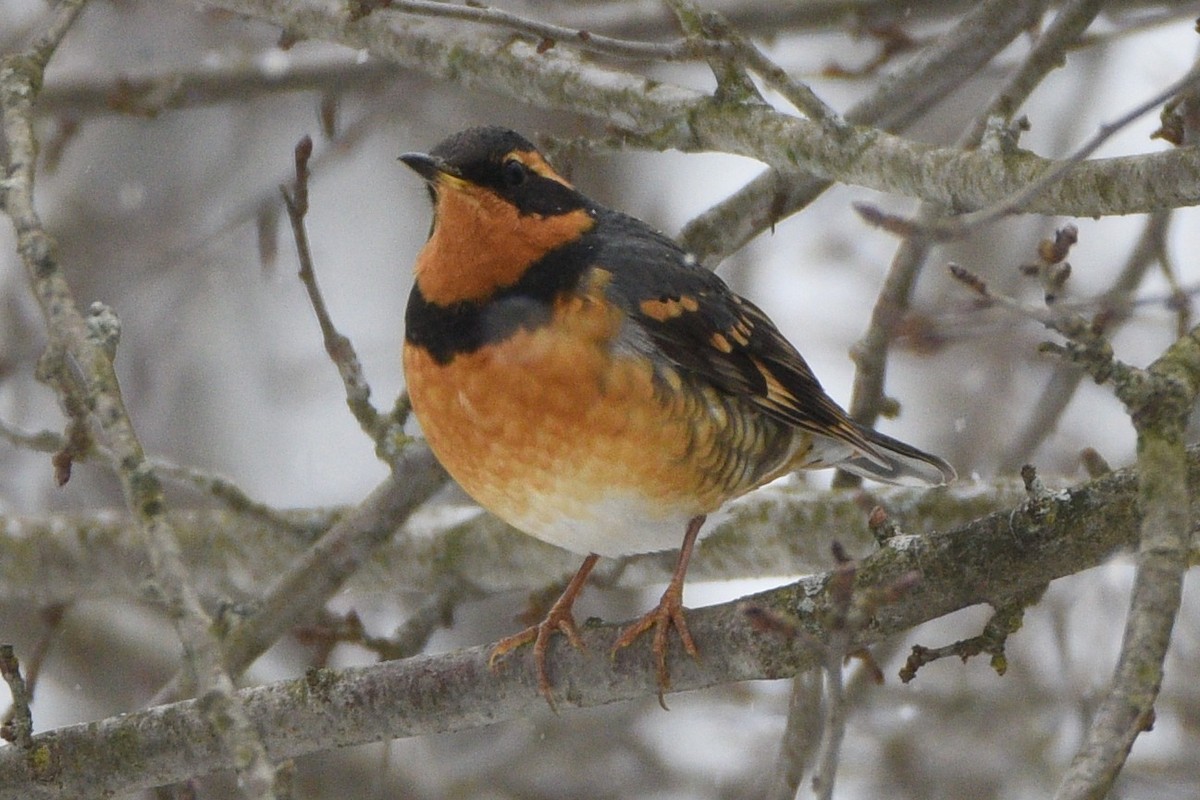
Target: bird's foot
x=559, y=619
x=664, y=616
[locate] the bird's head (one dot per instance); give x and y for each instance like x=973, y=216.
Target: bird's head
x=498, y=207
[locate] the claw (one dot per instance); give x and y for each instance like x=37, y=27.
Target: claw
x=667, y=614
x=558, y=619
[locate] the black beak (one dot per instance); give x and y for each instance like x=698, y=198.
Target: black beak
x=425, y=165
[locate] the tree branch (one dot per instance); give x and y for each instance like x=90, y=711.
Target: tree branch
x=673, y=116
x=871, y=351
x=931, y=76
x=1160, y=402
x=81, y=364
x=318, y=572
x=1115, y=309
x=993, y=559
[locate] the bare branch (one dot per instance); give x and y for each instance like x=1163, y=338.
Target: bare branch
x=89, y=555
x=687, y=120
x=320, y=570
x=152, y=94
x=385, y=431
x=900, y=99
x=548, y=35
x=1160, y=402
x=870, y=352
x=87, y=361
x=1025, y=198
x=801, y=735
x=1116, y=308
x=841, y=631
x=220, y=488
x=457, y=691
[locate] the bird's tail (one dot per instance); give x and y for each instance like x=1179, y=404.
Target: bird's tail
x=893, y=461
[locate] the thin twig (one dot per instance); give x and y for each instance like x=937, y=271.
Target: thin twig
x=319, y=572
x=550, y=34
x=349, y=138
x=1115, y=306
x=1069, y=25
x=734, y=84
x=833, y=730
x=1005, y=621
x=1181, y=296
x=838, y=644
x=17, y=723
x=40, y=442
x=1060, y=319
x=798, y=93
x=435, y=612
x=226, y=492
x=801, y=735
x=216, y=486
x=1019, y=201
x=154, y=94
x=730, y=67
x=383, y=430
x=871, y=351
x=52, y=617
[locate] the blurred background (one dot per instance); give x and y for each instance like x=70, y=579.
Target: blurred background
x=171, y=217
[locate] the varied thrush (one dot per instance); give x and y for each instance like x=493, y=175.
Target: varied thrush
x=583, y=378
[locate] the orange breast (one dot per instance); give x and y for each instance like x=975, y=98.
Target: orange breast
x=560, y=437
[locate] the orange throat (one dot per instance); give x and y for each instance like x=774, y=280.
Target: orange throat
x=480, y=243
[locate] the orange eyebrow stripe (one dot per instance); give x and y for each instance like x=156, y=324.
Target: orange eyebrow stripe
x=535, y=162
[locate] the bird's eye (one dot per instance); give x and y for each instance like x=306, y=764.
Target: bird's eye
x=513, y=172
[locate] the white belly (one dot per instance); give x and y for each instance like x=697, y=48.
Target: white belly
x=620, y=524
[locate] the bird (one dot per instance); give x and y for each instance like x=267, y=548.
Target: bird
x=588, y=381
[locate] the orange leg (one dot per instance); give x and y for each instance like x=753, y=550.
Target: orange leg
x=668, y=612
x=559, y=618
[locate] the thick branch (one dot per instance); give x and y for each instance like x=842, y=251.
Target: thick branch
x=687, y=120
x=994, y=559
x=934, y=74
